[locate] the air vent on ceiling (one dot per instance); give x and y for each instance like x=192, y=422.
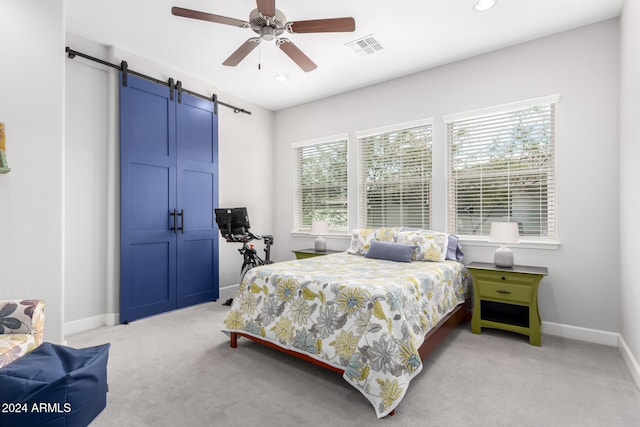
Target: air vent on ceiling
x=366, y=45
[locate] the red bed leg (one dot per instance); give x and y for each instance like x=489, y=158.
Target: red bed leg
x=234, y=340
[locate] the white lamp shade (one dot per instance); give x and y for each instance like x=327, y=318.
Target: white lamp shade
x=319, y=227
x=504, y=233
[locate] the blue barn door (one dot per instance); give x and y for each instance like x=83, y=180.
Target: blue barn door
x=168, y=154
x=148, y=246
x=197, y=170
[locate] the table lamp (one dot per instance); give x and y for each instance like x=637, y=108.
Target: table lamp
x=320, y=228
x=504, y=233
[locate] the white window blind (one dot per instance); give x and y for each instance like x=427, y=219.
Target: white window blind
x=321, y=185
x=395, y=177
x=502, y=168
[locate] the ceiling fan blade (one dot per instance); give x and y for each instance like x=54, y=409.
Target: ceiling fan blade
x=242, y=52
x=331, y=25
x=203, y=16
x=296, y=55
x=267, y=7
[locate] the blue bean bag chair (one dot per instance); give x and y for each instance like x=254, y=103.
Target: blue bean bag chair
x=54, y=386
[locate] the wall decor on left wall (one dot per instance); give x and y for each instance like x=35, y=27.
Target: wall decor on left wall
x=4, y=168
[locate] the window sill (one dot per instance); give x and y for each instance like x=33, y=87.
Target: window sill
x=330, y=236
x=524, y=244
x=465, y=241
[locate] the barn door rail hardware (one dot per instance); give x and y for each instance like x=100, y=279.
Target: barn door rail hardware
x=124, y=67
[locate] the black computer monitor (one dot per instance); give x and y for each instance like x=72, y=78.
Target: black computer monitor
x=232, y=221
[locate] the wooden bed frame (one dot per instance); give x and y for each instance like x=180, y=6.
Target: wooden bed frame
x=432, y=340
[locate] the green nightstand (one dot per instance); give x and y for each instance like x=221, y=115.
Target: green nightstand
x=310, y=253
x=507, y=298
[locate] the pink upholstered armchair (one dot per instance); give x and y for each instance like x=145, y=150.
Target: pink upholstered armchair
x=21, y=328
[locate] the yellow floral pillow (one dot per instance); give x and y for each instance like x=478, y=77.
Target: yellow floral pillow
x=430, y=245
x=361, y=238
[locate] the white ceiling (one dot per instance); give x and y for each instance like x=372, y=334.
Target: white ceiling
x=415, y=35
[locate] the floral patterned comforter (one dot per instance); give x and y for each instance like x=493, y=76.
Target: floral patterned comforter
x=365, y=316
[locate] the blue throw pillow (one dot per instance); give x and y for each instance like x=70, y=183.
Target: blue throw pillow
x=454, y=251
x=390, y=251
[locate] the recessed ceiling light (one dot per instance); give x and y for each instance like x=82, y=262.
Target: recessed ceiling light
x=482, y=5
x=281, y=77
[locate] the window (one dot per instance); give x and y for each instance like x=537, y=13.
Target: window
x=502, y=168
x=395, y=176
x=321, y=184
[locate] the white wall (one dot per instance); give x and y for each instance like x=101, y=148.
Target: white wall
x=245, y=168
x=246, y=178
x=31, y=195
x=629, y=194
x=582, y=66
x=86, y=186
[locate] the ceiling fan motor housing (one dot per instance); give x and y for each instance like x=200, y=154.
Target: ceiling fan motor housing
x=268, y=27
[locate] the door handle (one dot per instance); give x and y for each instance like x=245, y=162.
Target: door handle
x=180, y=214
x=174, y=215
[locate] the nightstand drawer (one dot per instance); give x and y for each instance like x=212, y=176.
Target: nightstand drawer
x=508, y=277
x=506, y=292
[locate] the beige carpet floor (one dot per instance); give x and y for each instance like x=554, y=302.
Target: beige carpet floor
x=177, y=369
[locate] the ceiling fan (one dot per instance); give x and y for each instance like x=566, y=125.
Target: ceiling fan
x=269, y=23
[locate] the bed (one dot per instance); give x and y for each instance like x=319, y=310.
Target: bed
x=367, y=317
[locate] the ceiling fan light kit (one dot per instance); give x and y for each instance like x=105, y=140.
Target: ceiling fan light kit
x=269, y=24
x=483, y=5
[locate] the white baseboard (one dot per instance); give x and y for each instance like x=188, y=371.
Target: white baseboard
x=88, y=323
x=550, y=328
x=631, y=361
x=596, y=336
x=581, y=334
x=81, y=325
x=111, y=319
